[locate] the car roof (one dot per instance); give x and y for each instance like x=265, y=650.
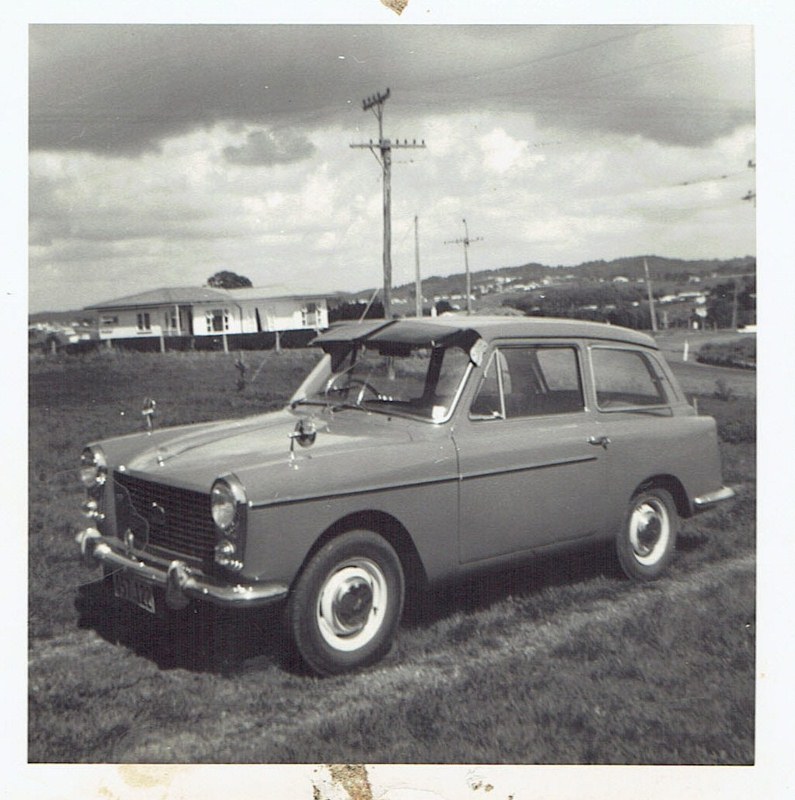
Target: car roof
x=448, y=328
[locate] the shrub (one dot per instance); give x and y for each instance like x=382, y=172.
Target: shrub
x=740, y=352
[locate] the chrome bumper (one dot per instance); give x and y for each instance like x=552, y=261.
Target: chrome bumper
x=179, y=581
x=705, y=501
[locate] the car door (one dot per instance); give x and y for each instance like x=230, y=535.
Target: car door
x=528, y=475
x=632, y=400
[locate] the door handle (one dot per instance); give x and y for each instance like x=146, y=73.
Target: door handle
x=599, y=441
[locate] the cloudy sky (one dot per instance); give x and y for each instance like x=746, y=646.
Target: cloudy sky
x=160, y=154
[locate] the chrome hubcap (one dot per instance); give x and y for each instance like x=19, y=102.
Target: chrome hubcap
x=351, y=604
x=649, y=531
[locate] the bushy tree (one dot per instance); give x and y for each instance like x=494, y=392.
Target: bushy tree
x=353, y=311
x=228, y=280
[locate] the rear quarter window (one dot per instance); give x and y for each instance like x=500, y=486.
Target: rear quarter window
x=625, y=379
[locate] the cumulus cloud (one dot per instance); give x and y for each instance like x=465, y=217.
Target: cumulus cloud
x=265, y=148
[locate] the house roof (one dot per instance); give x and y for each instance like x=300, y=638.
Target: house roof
x=165, y=296
x=188, y=295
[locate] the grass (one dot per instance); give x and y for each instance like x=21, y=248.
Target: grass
x=562, y=661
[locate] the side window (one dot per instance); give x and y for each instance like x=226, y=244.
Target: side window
x=625, y=379
x=531, y=381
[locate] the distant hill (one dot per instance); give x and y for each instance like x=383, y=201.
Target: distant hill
x=670, y=270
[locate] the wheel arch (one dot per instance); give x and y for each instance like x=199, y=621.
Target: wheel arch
x=674, y=487
x=386, y=526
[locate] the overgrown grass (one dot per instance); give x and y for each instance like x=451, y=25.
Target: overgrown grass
x=562, y=661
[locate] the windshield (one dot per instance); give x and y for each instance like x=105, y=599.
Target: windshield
x=419, y=381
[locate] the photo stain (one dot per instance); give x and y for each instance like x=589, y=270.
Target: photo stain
x=353, y=778
x=396, y=5
x=147, y=777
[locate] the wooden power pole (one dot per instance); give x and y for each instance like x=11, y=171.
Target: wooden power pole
x=384, y=147
x=417, y=279
x=651, y=297
x=466, y=241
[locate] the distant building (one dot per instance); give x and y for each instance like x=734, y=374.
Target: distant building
x=198, y=312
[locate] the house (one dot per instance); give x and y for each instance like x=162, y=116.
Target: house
x=198, y=313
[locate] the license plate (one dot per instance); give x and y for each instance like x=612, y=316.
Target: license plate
x=128, y=588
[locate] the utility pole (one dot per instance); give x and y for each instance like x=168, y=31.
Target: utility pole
x=651, y=297
x=417, y=279
x=734, y=308
x=466, y=241
x=385, y=147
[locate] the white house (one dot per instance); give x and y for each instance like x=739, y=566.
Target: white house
x=205, y=311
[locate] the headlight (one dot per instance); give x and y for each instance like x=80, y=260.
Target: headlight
x=228, y=502
x=93, y=467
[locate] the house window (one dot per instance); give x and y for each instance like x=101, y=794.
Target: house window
x=170, y=319
x=309, y=315
x=217, y=320
x=108, y=319
x=144, y=323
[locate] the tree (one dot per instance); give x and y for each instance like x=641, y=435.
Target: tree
x=228, y=280
x=354, y=311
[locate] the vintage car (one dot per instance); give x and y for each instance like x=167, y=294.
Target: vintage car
x=416, y=451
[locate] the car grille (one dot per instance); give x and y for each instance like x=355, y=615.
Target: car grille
x=162, y=517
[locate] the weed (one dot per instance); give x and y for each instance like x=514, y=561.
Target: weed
x=723, y=391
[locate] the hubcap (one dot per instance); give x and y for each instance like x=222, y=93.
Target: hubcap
x=649, y=531
x=351, y=604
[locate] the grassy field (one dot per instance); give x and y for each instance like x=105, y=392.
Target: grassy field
x=560, y=662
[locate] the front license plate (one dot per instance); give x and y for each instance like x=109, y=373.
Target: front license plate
x=129, y=588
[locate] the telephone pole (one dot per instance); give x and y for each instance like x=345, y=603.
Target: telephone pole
x=385, y=147
x=466, y=241
x=417, y=279
x=651, y=296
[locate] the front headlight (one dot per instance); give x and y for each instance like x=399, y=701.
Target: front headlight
x=228, y=503
x=93, y=467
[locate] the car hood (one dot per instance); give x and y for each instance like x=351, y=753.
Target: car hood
x=193, y=456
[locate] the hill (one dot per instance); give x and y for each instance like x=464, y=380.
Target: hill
x=661, y=270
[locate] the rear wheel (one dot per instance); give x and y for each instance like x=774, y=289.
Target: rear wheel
x=647, y=540
x=345, y=607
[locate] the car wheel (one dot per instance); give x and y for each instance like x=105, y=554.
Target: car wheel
x=648, y=537
x=345, y=607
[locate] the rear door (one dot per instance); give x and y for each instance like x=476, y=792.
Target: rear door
x=529, y=476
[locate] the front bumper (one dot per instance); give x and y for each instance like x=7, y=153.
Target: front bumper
x=710, y=499
x=180, y=582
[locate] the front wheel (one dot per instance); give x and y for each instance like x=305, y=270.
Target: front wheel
x=647, y=540
x=345, y=607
